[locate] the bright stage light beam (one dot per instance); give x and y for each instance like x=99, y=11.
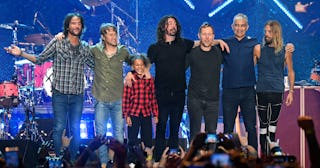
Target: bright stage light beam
x=292, y=18
x=219, y=8
x=190, y=4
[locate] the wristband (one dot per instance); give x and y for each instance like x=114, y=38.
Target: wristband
x=149, y=157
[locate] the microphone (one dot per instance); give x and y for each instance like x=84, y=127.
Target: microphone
x=35, y=18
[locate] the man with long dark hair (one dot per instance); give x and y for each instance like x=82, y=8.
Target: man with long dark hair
x=69, y=58
x=168, y=54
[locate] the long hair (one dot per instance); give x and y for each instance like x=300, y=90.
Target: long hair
x=276, y=30
x=162, y=25
x=67, y=21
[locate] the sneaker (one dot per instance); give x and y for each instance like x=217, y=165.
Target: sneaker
x=132, y=165
x=110, y=164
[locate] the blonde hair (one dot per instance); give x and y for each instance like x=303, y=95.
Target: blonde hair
x=276, y=30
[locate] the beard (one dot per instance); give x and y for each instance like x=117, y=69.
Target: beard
x=172, y=32
x=268, y=40
x=75, y=34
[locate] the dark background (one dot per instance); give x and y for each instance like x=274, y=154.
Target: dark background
x=50, y=15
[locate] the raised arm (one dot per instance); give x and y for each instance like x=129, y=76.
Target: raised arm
x=16, y=51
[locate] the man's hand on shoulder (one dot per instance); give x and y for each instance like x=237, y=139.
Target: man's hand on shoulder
x=128, y=79
x=60, y=36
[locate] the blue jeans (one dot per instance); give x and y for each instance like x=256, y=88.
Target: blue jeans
x=67, y=107
x=245, y=98
x=103, y=112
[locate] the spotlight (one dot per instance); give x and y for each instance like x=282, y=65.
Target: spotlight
x=83, y=130
x=108, y=125
x=291, y=17
x=109, y=133
x=83, y=135
x=190, y=4
x=220, y=8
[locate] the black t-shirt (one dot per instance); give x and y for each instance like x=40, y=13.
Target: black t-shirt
x=169, y=59
x=205, y=67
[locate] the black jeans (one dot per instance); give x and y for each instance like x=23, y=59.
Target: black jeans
x=144, y=124
x=269, y=106
x=198, y=108
x=245, y=98
x=171, y=105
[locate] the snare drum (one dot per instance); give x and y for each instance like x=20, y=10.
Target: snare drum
x=8, y=94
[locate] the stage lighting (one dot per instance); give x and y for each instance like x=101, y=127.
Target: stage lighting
x=220, y=8
x=83, y=130
x=108, y=125
x=291, y=17
x=190, y=4
x=109, y=133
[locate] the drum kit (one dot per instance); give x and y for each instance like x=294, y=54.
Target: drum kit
x=315, y=73
x=26, y=86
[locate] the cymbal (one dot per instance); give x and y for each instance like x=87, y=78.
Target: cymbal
x=5, y=26
x=38, y=39
x=22, y=62
x=10, y=26
x=94, y=2
x=26, y=44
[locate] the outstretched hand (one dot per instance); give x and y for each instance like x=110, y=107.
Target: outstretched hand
x=14, y=50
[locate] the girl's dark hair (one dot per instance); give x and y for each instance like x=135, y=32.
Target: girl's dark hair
x=142, y=57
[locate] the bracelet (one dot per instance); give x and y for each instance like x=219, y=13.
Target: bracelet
x=291, y=91
x=149, y=157
x=20, y=52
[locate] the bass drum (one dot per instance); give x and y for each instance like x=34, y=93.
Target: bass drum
x=48, y=78
x=9, y=94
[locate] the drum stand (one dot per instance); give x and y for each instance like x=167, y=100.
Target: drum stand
x=4, y=129
x=30, y=130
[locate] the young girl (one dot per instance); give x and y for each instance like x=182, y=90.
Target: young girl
x=139, y=105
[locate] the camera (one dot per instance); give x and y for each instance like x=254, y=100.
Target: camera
x=173, y=151
x=220, y=160
x=212, y=138
x=211, y=141
x=284, y=158
x=12, y=156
